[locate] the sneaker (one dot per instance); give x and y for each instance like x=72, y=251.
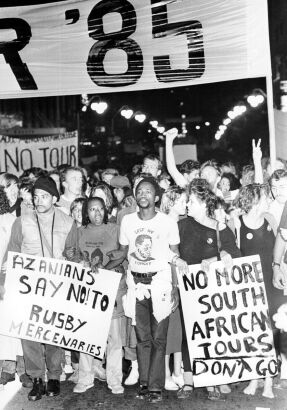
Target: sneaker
x=39, y=389
x=100, y=374
x=133, y=376
x=185, y=392
x=225, y=389
x=53, y=388
x=142, y=393
x=178, y=379
x=68, y=369
x=170, y=384
x=155, y=397
x=26, y=380
x=117, y=389
x=63, y=376
x=74, y=377
x=81, y=387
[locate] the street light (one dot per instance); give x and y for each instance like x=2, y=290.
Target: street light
x=99, y=106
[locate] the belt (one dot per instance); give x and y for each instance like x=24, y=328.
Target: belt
x=143, y=275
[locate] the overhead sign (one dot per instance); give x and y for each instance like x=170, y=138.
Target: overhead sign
x=227, y=322
x=49, y=152
x=58, y=302
x=74, y=47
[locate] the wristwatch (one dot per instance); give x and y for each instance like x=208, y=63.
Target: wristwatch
x=275, y=264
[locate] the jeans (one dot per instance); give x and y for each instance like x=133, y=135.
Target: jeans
x=37, y=356
x=151, y=346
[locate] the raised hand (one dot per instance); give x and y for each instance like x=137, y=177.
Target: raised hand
x=256, y=150
x=171, y=134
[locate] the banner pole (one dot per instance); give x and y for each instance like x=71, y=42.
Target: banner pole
x=271, y=124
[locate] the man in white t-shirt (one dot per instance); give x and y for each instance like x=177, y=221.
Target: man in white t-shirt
x=151, y=241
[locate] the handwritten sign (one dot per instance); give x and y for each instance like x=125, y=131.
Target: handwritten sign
x=75, y=47
x=58, y=302
x=227, y=322
x=49, y=152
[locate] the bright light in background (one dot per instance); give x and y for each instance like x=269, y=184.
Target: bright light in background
x=140, y=118
x=161, y=130
x=217, y=137
x=227, y=121
x=198, y=127
x=231, y=115
x=84, y=108
x=99, y=107
x=128, y=113
x=255, y=100
x=207, y=123
x=154, y=124
x=222, y=127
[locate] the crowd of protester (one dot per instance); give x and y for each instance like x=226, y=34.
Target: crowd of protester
x=149, y=225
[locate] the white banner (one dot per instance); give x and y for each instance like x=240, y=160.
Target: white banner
x=227, y=323
x=74, y=47
x=58, y=302
x=49, y=152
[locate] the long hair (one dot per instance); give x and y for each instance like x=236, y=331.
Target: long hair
x=200, y=188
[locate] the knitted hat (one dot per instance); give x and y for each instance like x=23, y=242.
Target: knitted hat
x=47, y=184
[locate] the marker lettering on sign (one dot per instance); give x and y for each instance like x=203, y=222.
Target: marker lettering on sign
x=43, y=286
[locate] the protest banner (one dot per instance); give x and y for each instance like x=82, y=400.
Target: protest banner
x=74, y=47
x=227, y=322
x=57, y=302
x=48, y=152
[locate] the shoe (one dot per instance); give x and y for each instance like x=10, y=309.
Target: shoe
x=6, y=378
x=133, y=376
x=68, y=369
x=178, y=379
x=155, y=397
x=215, y=395
x=81, y=387
x=184, y=393
x=53, y=388
x=74, y=377
x=170, y=384
x=143, y=392
x=100, y=374
x=26, y=380
x=38, y=390
x=63, y=376
x=225, y=389
x=117, y=389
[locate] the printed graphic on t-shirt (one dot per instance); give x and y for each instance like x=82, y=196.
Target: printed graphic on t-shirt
x=143, y=245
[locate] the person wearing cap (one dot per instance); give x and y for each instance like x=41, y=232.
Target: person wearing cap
x=121, y=188
x=42, y=232
x=150, y=239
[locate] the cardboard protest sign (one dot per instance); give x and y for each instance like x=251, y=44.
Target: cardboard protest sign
x=227, y=322
x=58, y=302
x=49, y=152
x=93, y=46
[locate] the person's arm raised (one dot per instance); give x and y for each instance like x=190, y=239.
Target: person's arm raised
x=178, y=178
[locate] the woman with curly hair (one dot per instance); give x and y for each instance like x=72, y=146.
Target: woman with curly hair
x=173, y=203
x=198, y=244
x=255, y=237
